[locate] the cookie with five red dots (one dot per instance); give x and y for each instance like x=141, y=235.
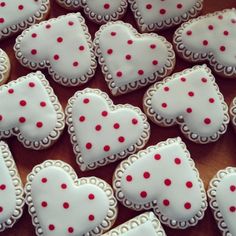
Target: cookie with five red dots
x=232, y=113
x=11, y=190
x=210, y=38
x=30, y=110
x=18, y=15
x=192, y=100
x=63, y=45
x=61, y=204
x=221, y=193
x=163, y=178
x=102, y=132
x=130, y=60
x=5, y=67
x=157, y=15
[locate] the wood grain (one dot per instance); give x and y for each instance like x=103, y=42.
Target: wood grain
x=209, y=158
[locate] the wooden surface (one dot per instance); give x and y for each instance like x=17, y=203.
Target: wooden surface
x=208, y=158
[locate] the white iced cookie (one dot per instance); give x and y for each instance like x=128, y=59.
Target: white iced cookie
x=152, y=15
x=60, y=204
x=232, y=113
x=30, y=110
x=11, y=190
x=18, y=15
x=210, y=38
x=163, y=178
x=144, y=224
x=102, y=132
x=121, y=49
x=222, y=195
x=192, y=100
x=63, y=45
x=5, y=67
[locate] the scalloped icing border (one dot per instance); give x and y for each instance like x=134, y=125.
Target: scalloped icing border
x=112, y=212
x=138, y=207
x=59, y=126
x=70, y=4
x=211, y=192
x=6, y=66
x=232, y=112
x=115, y=90
x=35, y=18
x=16, y=181
x=171, y=22
x=135, y=223
x=159, y=120
x=46, y=63
x=144, y=137
x=186, y=54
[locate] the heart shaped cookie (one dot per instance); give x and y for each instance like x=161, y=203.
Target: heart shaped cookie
x=11, y=190
x=102, y=132
x=210, y=38
x=192, y=100
x=232, y=113
x=5, y=67
x=120, y=49
x=163, y=178
x=144, y=224
x=61, y=204
x=63, y=45
x=18, y=15
x=221, y=192
x=154, y=15
x=30, y=110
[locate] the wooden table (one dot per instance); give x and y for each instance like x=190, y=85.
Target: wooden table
x=208, y=158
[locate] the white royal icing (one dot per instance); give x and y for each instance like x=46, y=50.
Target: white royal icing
x=63, y=208
x=225, y=198
x=4, y=65
x=215, y=34
x=194, y=96
x=164, y=175
x=26, y=105
x=7, y=191
x=109, y=133
x=123, y=48
x=153, y=11
x=62, y=43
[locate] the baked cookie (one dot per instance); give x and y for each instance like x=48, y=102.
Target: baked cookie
x=61, y=204
x=163, y=178
x=144, y=224
x=102, y=132
x=11, y=190
x=210, y=38
x=152, y=15
x=192, y=100
x=30, y=110
x=232, y=113
x=63, y=45
x=18, y=15
x=5, y=67
x=120, y=49
x=221, y=193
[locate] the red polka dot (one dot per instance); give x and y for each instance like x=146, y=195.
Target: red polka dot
x=211, y=100
x=121, y=139
x=204, y=80
x=157, y=157
x=226, y=33
x=106, y=6
x=207, y=121
x=33, y=51
x=128, y=57
x=98, y=127
x=22, y=120
x=205, y=42
x=140, y=72
x=232, y=188
x=119, y=74
x=104, y=113
x=187, y=205
x=177, y=161
x=109, y=51
x=233, y=21
x=164, y=105
x=2, y=4
x=116, y=126
x=146, y=175
x=59, y=39
x=91, y=196
x=75, y=63
x=1, y=117
x=189, y=32
x=81, y=48
x=167, y=182
x=129, y=178
x=31, y=84
x=182, y=79
x=155, y=62
x=166, y=89
x=191, y=94
x=56, y=57
x=86, y=101
x=113, y=33
x=222, y=48
x=143, y=194
x=179, y=5
x=189, y=110
x=106, y=148
x=81, y=118
x=66, y=205
x=134, y=121
x=70, y=23
x=2, y=187
x=23, y=103
x=63, y=186
x=91, y=217
x=149, y=6
x=232, y=208
x=1, y=209
x=34, y=35
x=20, y=7
x=220, y=17
x=44, y=204
x=48, y=26
x=88, y=145
x=11, y=91
x=189, y=184
x=44, y=180
x=210, y=27
x=70, y=230
x=2, y=20
x=51, y=227
x=153, y=46
x=130, y=41
x=39, y=124
x=162, y=11
x=166, y=202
